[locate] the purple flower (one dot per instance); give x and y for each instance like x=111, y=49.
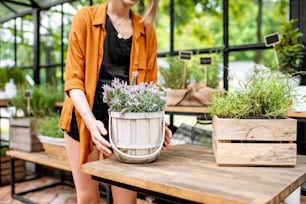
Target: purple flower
x=143, y=97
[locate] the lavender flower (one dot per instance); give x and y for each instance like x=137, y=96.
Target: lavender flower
x=144, y=97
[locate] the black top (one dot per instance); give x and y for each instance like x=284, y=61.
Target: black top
x=116, y=58
x=116, y=63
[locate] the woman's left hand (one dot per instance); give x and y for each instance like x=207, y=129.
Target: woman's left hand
x=168, y=136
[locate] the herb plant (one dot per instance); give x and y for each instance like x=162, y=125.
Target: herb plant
x=42, y=100
x=290, y=51
x=48, y=126
x=143, y=97
x=267, y=93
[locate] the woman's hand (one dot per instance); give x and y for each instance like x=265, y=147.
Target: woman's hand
x=95, y=127
x=98, y=131
x=168, y=136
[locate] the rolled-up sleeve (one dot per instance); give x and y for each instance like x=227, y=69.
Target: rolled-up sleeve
x=75, y=63
x=152, y=67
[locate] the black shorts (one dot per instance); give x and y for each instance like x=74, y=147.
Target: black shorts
x=100, y=111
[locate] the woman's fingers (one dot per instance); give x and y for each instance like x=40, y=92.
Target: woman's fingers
x=102, y=145
x=168, y=136
x=100, y=142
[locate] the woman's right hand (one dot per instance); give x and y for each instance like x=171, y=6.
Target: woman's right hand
x=98, y=131
x=95, y=127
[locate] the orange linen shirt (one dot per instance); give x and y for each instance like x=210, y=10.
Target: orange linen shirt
x=84, y=59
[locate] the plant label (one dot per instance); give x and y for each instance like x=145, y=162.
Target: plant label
x=205, y=61
x=28, y=94
x=272, y=39
x=185, y=55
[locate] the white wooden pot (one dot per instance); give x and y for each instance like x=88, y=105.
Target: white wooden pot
x=137, y=137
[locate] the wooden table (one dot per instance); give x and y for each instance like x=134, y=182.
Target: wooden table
x=189, y=173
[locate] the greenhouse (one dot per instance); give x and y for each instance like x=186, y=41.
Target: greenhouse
x=202, y=102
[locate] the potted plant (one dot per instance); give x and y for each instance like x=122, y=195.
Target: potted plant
x=23, y=135
x=196, y=88
x=51, y=137
x=290, y=51
x=250, y=126
x=136, y=126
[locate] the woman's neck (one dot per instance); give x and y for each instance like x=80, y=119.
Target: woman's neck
x=119, y=14
x=118, y=10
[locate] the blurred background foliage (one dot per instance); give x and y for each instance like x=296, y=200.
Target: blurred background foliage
x=198, y=24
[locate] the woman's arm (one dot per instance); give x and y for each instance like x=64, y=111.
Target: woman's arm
x=95, y=127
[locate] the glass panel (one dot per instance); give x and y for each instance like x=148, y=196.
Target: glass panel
x=163, y=26
x=44, y=1
x=51, y=75
x=242, y=64
x=5, y=12
x=17, y=7
x=198, y=24
x=7, y=44
x=250, y=21
x=24, y=41
x=69, y=12
x=50, y=40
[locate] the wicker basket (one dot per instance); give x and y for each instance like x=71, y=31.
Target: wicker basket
x=54, y=147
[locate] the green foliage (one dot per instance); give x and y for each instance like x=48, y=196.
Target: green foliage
x=290, y=52
x=15, y=73
x=42, y=102
x=3, y=151
x=48, y=126
x=266, y=93
x=18, y=75
x=3, y=77
x=172, y=75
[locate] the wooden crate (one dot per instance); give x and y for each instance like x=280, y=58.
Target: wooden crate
x=5, y=168
x=254, y=142
x=23, y=136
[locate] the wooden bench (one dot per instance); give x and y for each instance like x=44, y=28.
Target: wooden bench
x=37, y=158
x=42, y=158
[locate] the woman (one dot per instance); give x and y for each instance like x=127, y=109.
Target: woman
x=105, y=41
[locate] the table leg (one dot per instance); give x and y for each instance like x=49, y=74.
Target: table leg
x=12, y=172
x=171, y=122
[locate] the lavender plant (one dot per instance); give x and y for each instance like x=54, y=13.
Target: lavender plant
x=143, y=97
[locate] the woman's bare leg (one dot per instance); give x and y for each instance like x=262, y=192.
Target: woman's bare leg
x=87, y=189
x=121, y=195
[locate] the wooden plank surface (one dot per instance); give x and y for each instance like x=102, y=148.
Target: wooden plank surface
x=39, y=158
x=204, y=110
x=190, y=172
x=293, y=114
x=199, y=110
x=4, y=102
x=186, y=109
